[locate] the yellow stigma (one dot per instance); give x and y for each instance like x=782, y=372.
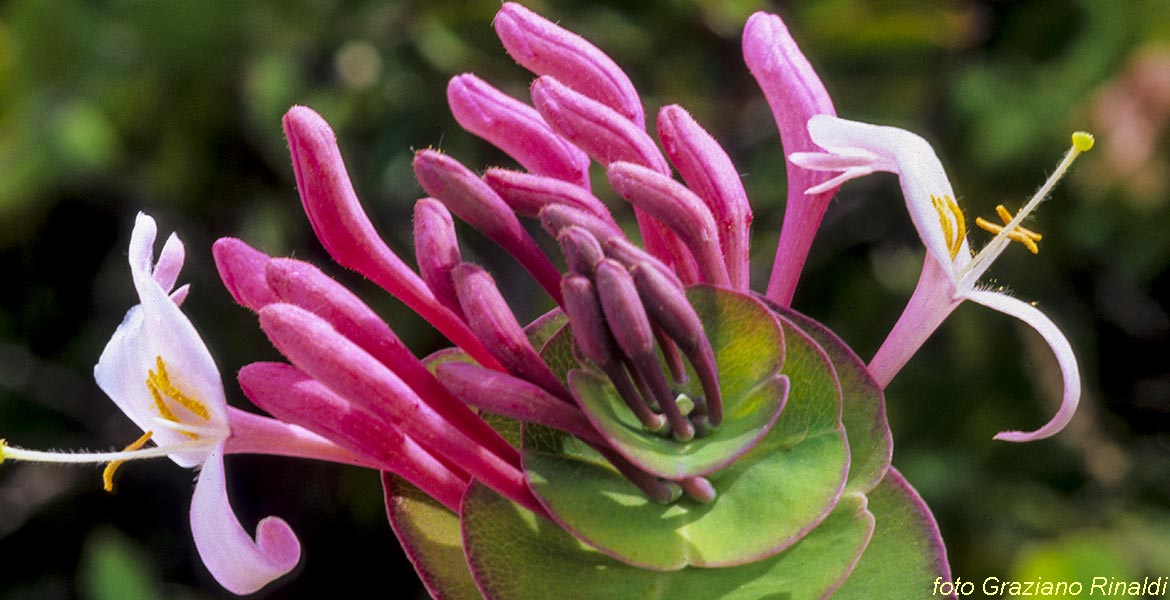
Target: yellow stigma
x=1082, y=141
x=1020, y=234
x=954, y=226
x=3, y=445
x=161, y=388
x=108, y=473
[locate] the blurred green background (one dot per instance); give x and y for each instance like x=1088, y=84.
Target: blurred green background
x=173, y=107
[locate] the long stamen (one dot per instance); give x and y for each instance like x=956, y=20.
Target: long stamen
x=160, y=383
x=1081, y=142
x=82, y=458
x=954, y=226
x=1020, y=234
x=108, y=473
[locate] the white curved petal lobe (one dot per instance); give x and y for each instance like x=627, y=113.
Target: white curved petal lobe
x=239, y=563
x=1064, y=357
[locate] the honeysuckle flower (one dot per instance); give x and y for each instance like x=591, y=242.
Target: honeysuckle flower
x=662, y=417
x=951, y=271
x=663, y=428
x=158, y=371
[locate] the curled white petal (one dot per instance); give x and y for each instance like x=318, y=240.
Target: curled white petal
x=1064, y=358
x=239, y=563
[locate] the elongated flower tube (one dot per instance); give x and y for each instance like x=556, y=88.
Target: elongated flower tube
x=951, y=272
x=528, y=194
x=795, y=94
x=706, y=169
x=344, y=229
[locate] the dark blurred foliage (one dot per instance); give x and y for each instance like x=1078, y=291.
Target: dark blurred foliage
x=173, y=107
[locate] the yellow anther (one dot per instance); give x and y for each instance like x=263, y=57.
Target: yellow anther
x=1082, y=141
x=160, y=385
x=108, y=473
x=1017, y=234
x=954, y=226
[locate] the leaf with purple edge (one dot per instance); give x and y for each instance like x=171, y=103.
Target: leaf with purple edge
x=766, y=501
x=906, y=553
x=431, y=537
x=516, y=555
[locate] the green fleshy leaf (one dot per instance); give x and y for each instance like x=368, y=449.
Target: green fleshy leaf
x=749, y=349
x=517, y=555
x=906, y=553
x=430, y=534
x=864, y=407
x=765, y=501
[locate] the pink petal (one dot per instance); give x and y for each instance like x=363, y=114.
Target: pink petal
x=544, y=48
x=318, y=350
x=795, y=94
x=1065, y=358
x=515, y=128
x=239, y=563
x=170, y=262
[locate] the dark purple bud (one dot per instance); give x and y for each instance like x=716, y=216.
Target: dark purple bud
x=591, y=333
x=631, y=329
x=436, y=249
x=582, y=250
x=668, y=307
x=502, y=394
x=676, y=207
x=492, y=320
x=631, y=256
x=515, y=128
x=658, y=490
x=466, y=195
x=698, y=489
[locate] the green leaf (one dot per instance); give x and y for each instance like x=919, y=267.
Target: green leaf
x=906, y=553
x=863, y=407
x=517, y=555
x=766, y=501
x=431, y=536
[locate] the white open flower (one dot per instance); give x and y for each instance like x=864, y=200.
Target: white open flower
x=157, y=369
x=951, y=272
